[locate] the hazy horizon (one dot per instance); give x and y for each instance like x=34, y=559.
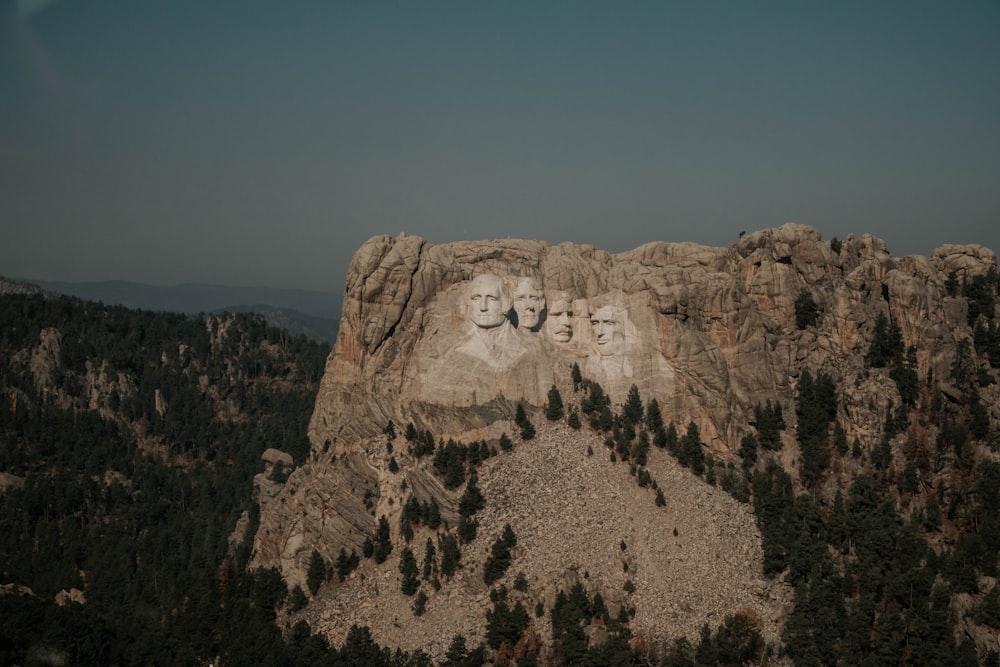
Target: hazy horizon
x=248, y=144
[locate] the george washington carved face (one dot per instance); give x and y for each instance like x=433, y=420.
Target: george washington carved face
x=487, y=301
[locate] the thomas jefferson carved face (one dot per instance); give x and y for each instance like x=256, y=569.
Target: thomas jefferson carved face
x=529, y=302
x=488, y=301
x=609, y=330
x=559, y=321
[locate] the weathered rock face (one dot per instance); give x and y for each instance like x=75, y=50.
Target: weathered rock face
x=451, y=337
x=707, y=331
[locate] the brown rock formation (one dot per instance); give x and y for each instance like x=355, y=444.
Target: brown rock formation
x=709, y=332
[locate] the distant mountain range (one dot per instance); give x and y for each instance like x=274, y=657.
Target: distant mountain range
x=311, y=312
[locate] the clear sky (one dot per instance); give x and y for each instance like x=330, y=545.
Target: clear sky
x=261, y=143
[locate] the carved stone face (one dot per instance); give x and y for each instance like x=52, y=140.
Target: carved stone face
x=488, y=301
x=609, y=331
x=529, y=302
x=559, y=321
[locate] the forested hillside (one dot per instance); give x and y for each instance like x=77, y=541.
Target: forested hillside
x=129, y=442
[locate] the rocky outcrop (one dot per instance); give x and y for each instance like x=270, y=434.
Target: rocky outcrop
x=707, y=331
x=433, y=335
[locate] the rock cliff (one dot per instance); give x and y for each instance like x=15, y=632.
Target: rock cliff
x=450, y=338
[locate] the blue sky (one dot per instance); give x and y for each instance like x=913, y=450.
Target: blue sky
x=260, y=143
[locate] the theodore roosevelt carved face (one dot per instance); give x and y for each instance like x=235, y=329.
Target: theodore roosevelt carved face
x=487, y=301
x=529, y=302
x=559, y=320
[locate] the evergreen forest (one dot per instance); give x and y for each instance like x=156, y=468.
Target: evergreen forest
x=129, y=441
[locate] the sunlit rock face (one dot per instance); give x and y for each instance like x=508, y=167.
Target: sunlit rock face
x=451, y=337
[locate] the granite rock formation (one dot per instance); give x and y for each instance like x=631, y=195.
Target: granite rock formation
x=429, y=336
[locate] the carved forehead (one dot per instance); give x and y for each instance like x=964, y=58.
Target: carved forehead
x=559, y=302
x=487, y=284
x=527, y=286
x=606, y=314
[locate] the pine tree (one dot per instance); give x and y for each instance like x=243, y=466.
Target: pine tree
x=574, y=419
x=451, y=555
x=430, y=561
x=521, y=419
x=554, y=409
x=408, y=570
x=632, y=411
x=316, y=573
x=383, y=543
x=806, y=310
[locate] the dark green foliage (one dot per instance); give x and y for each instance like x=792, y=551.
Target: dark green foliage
x=951, y=284
x=504, y=624
x=654, y=418
x=499, y=559
x=772, y=499
x=383, y=543
x=908, y=481
x=661, y=501
x=345, y=564
x=505, y=442
x=431, y=514
x=835, y=245
x=806, y=310
x=640, y=450
x=886, y=345
x=449, y=462
x=466, y=529
x=573, y=420
x=882, y=454
x=576, y=376
x=451, y=555
x=734, y=482
x=770, y=422
x=554, y=408
x=981, y=296
x=163, y=584
x=297, y=599
x=979, y=417
x=633, y=411
x=408, y=572
x=472, y=499
x=903, y=373
x=748, y=451
x=459, y=655
x=430, y=562
x=575, y=610
x=522, y=421
x=670, y=440
x=988, y=611
x=596, y=406
x=736, y=642
x=316, y=574
x=986, y=339
x=840, y=439
x=868, y=589
x=690, y=453
x=815, y=407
